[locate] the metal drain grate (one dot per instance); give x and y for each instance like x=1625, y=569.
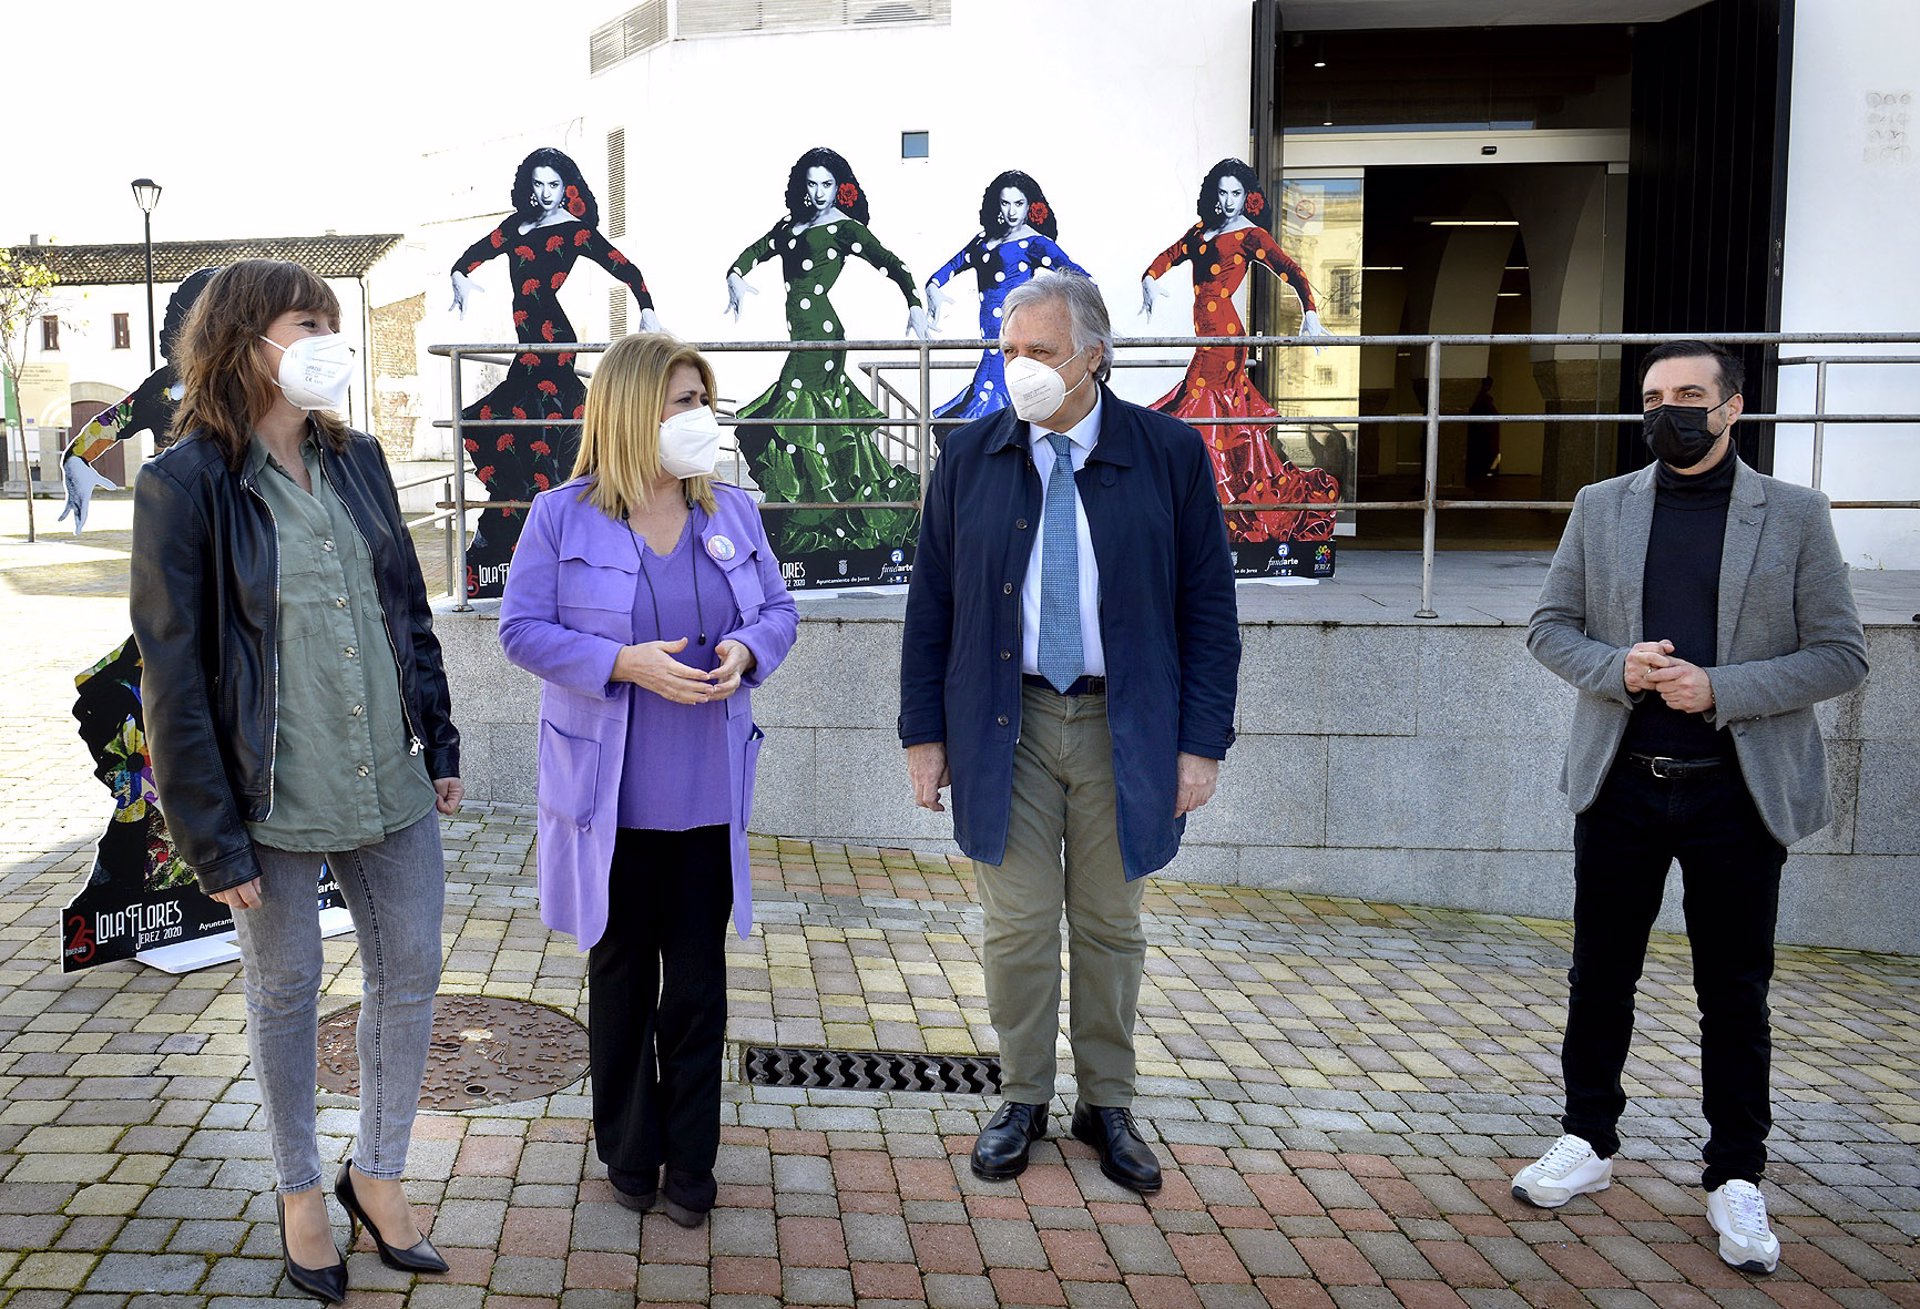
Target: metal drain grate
x=869, y=1070
x=484, y=1051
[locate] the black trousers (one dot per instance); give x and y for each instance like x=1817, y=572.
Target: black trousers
x=657, y=1001
x=1730, y=874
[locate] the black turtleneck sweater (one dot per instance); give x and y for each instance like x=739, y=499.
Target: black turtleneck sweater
x=1682, y=602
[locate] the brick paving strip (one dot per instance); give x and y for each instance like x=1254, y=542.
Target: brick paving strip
x=1339, y=1090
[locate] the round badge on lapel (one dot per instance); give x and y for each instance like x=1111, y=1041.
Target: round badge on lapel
x=720, y=548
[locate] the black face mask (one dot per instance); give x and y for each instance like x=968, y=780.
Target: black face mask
x=1678, y=434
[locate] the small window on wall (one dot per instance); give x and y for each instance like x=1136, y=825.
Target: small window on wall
x=915, y=145
x=50, y=332
x=122, y=332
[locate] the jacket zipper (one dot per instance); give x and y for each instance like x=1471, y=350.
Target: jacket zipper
x=413, y=734
x=273, y=738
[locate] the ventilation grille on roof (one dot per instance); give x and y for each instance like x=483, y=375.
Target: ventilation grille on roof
x=648, y=25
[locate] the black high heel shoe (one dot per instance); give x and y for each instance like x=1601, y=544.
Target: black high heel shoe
x=328, y=1284
x=418, y=1258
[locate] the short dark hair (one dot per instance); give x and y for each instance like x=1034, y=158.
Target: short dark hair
x=1733, y=375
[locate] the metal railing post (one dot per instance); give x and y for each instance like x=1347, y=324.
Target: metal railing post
x=1429, y=512
x=457, y=579
x=446, y=497
x=1819, y=413
x=926, y=416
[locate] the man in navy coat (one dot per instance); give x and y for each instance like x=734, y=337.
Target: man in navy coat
x=1069, y=668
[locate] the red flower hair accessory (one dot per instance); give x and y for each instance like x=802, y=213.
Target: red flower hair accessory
x=1039, y=212
x=1255, y=203
x=849, y=195
x=577, y=207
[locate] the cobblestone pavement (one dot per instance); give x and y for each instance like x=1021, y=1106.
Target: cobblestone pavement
x=1339, y=1090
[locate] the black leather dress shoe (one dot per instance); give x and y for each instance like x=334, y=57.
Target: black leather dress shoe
x=1001, y=1152
x=1124, y=1157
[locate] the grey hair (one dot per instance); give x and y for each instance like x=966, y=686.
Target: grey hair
x=1086, y=309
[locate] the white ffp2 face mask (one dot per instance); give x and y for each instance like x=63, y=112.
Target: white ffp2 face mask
x=690, y=443
x=315, y=371
x=1036, y=390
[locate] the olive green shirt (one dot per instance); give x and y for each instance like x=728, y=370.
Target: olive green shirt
x=346, y=770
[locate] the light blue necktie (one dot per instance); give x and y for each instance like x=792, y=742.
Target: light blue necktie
x=1062, y=659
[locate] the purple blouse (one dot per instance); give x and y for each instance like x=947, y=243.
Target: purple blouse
x=677, y=771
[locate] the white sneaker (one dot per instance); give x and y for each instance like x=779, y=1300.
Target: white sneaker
x=1739, y=1213
x=1570, y=1168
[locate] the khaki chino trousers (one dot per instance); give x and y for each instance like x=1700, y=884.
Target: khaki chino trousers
x=1063, y=853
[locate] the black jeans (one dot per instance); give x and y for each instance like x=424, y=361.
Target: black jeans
x=657, y=1001
x=1730, y=871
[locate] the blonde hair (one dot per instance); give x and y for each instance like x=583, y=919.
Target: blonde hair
x=620, y=432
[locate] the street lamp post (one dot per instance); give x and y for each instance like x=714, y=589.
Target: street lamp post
x=146, y=194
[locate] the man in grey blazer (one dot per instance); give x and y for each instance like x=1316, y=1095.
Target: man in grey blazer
x=1701, y=610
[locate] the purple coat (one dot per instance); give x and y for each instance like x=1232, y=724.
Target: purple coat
x=567, y=611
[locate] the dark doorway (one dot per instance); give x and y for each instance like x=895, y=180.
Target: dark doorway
x=1706, y=213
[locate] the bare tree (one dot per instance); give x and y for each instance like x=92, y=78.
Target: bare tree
x=26, y=288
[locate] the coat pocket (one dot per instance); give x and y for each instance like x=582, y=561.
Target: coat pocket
x=569, y=776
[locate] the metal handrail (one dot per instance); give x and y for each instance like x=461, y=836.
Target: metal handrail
x=919, y=419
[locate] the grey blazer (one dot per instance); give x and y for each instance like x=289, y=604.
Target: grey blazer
x=1789, y=637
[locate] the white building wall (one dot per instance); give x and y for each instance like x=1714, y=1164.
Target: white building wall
x=1853, y=188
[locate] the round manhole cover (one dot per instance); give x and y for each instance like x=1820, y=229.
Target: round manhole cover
x=484, y=1051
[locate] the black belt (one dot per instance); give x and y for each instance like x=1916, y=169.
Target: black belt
x=1667, y=769
x=1082, y=685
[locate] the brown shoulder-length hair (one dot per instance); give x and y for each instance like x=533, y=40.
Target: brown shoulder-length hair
x=227, y=378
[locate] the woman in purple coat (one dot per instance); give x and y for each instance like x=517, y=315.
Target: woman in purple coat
x=644, y=595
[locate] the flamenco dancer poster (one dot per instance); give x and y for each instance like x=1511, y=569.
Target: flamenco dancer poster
x=149, y=406
x=141, y=899
x=1018, y=237
x=1227, y=242
x=804, y=439
x=555, y=221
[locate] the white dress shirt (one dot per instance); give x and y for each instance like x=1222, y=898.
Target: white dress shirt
x=1084, y=435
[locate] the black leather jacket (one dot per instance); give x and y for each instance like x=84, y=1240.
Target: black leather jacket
x=205, y=601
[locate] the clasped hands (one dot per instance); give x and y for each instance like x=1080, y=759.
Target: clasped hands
x=651, y=666
x=1684, y=686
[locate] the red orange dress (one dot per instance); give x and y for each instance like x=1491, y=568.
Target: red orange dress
x=1247, y=465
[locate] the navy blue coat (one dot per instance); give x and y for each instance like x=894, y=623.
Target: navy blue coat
x=1167, y=618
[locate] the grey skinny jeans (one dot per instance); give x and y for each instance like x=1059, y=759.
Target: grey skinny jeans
x=396, y=891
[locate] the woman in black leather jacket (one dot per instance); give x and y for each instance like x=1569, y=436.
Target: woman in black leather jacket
x=297, y=711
